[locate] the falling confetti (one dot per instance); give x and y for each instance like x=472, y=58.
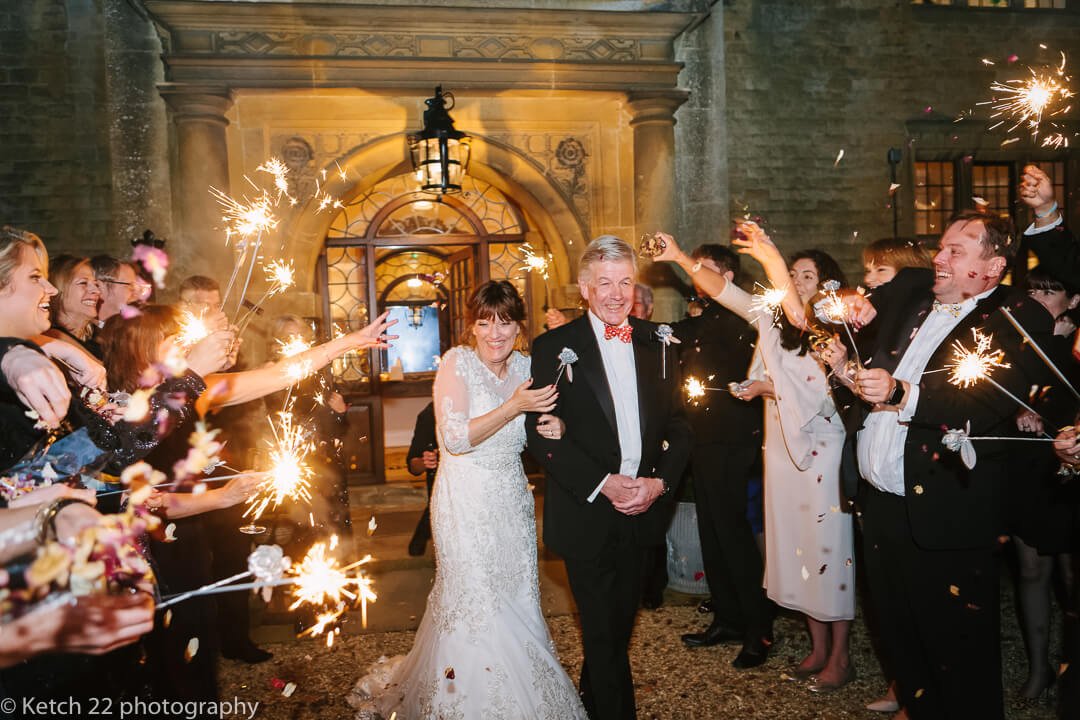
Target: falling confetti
x=371, y=526
x=839, y=157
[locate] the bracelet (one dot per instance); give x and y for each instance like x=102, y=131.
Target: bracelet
x=21, y=534
x=1048, y=213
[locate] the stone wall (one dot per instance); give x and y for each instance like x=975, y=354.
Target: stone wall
x=82, y=129
x=808, y=79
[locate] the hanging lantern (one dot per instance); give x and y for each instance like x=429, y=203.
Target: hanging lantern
x=440, y=154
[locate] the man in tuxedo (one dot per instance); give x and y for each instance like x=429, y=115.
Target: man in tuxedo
x=931, y=525
x=718, y=344
x=610, y=478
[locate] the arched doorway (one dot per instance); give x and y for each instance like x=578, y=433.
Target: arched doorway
x=419, y=256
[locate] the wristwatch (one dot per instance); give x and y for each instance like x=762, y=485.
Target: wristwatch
x=666, y=487
x=897, y=395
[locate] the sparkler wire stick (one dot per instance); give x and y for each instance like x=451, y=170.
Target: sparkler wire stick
x=232, y=278
x=251, y=269
x=253, y=473
x=1039, y=351
x=1017, y=400
x=205, y=590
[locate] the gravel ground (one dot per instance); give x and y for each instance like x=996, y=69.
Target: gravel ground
x=671, y=681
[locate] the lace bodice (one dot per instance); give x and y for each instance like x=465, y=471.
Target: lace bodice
x=464, y=389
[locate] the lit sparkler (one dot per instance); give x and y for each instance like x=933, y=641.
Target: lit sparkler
x=281, y=276
x=972, y=366
x=280, y=171
x=769, y=300
x=320, y=583
x=1029, y=101
x=696, y=388
x=832, y=310
x=193, y=328
x=538, y=264
x=293, y=346
x=289, y=476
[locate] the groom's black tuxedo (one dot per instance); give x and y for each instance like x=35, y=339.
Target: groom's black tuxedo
x=600, y=545
x=590, y=450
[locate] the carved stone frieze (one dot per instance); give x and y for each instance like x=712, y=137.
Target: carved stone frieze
x=564, y=159
x=308, y=156
x=497, y=47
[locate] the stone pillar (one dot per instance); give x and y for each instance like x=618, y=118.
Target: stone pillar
x=202, y=162
x=652, y=118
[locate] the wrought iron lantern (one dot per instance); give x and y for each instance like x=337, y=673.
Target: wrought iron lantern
x=440, y=153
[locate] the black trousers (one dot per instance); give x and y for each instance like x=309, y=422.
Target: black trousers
x=606, y=589
x=733, y=565
x=939, y=616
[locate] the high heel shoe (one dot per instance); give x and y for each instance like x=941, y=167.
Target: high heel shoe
x=828, y=687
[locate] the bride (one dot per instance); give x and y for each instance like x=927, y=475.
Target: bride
x=482, y=649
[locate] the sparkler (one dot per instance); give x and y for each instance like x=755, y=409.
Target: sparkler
x=320, y=583
x=281, y=276
x=769, y=300
x=1029, y=101
x=1039, y=351
x=833, y=311
x=696, y=389
x=971, y=366
x=538, y=264
x=280, y=172
x=249, y=220
x=193, y=328
x=293, y=346
x=289, y=477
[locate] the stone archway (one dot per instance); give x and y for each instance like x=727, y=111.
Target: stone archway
x=554, y=220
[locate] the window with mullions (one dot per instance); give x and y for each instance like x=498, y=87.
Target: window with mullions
x=934, y=196
x=998, y=4
x=993, y=183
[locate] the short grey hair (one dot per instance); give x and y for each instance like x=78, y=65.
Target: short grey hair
x=605, y=248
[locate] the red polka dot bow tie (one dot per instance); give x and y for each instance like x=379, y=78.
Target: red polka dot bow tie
x=617, y=331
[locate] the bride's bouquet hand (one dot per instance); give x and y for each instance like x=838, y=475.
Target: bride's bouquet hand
x=541, y=400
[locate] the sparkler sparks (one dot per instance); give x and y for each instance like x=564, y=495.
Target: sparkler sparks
x=970, y=366
x=192, y=329
x=249, y=218
x=293, y=346
x=536, y=262
x=320, y=583
x=696, y=389
x=280, y=171
x=1027, y=102
x=289, y=477
x=769, y=300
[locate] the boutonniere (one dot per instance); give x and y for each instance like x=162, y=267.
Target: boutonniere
x=567, y=358
x=667, y=336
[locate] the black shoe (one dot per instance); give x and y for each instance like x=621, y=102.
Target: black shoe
x=715, y=634
x=250, y=653
x=418, y=544
x=706, y=606
x=752, y=655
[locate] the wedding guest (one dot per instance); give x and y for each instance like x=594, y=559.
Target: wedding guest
x=719, y=344
x=200, y=294
x=882, y=259
x=74, y=308
x=423, y=458
x=808, y=536
x=1041, y=513
x=118, y=283
x=931, y=524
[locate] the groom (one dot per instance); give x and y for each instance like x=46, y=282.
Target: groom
x=611, y=477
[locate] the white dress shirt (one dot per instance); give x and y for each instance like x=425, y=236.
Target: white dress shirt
x=1032, y=230
x=881, y=441
x=621, y=372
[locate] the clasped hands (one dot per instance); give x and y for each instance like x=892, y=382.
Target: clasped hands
x=874, y=386
x=632, y=496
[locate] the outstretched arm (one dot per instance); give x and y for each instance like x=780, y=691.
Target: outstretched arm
x=756, y=243
x=223, y=389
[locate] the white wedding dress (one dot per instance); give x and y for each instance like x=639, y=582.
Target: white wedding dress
x=482, y=649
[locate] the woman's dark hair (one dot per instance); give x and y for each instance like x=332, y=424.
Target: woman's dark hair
x=494, y=299
x=791, y=337
x=130, y=346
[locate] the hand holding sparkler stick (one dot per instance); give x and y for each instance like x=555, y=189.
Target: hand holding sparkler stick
x=1037, y=192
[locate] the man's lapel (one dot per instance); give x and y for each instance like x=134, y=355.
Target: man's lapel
x=591, y=366
x=647, y=349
